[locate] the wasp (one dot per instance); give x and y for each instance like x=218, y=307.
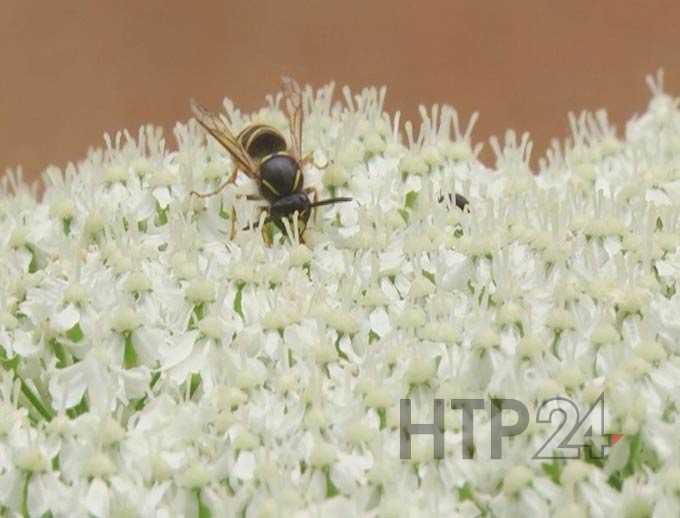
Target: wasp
x=262, y=153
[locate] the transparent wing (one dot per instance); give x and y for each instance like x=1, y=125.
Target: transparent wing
x=294, y=109
x=216, y=126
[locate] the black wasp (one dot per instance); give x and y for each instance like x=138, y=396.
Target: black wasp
x=263, y=154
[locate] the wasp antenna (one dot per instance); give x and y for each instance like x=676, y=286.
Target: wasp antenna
x=330, y=201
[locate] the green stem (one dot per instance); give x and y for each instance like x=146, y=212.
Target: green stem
x=194, y=383
x=24, y=495
x=130, y=358
x=142, y=401
x=203, y=510
x=238, y=299
x=43, y=409
x=199, y=311
x=556, y=341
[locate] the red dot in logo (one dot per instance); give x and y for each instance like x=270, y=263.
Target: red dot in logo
x=616, y=437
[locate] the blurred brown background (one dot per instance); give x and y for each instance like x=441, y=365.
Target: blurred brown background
x=74, y=70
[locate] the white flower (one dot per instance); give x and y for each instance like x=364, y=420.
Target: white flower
x=182, y=368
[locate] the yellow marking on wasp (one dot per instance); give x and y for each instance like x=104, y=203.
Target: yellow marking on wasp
x=255, y=132
x=271, y=188
x=296, y=183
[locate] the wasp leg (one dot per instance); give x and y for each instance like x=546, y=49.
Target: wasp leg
x=301, y=237
x=265, y=236
x=315, y=198
x=213, y=193
x=232, y=179
x=309, y=159
x=256, y=224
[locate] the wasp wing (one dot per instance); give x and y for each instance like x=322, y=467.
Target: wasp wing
x=295, y=111
x=215, y=125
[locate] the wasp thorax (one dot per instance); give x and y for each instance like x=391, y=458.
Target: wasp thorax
x=280, y=176
x=260, y=141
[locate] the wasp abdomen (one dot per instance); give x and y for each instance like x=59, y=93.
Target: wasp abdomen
x=260, y=140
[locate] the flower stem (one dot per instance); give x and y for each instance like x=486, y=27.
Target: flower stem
x=43, y=409
x=130, y=358
x=203, y=510
x=24, y=495
x=11, y=365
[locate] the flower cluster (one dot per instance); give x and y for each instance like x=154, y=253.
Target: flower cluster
x=152, y=364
